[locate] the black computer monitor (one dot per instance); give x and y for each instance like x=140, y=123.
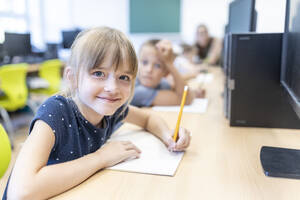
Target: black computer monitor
x=17, y=44
x=68, y=37
x=241, y=19
x=290, y=66
x=284, y=162
x=242, y=16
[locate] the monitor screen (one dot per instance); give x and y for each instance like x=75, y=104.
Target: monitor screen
x=290, y=68
x=17, y=44
x=242, y=16
x=68, y=37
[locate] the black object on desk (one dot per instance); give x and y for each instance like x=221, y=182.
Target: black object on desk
x=280, y=162
x=254, y=96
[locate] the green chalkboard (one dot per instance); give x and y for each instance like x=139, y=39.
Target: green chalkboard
x=154, y=16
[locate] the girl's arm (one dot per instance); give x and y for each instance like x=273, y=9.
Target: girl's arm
x=33, y=179
x=158, y=127
x=214, y=53
x=171, y=97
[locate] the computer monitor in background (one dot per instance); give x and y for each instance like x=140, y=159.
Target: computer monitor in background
x=282, y=162
x=17, y=44
x=242, y=16
x=68, y=37
x=290, y=66
x=241, y=19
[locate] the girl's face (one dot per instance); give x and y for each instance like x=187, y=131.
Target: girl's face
x=151, y=69
x=101, y=91
x=202, y=36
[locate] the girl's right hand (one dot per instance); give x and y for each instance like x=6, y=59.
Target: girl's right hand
x=114, y=152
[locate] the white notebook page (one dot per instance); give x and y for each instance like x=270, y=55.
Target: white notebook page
x=155, y=157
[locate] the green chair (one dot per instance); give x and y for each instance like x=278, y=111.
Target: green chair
x=13, y=85
x=5, y=151
x=50, y=70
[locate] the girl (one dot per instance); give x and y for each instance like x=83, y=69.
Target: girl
x=67, y=141
x=208, y=48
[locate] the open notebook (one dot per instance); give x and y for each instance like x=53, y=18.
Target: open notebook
x=155, y=157
x=204, y=78
x=198, y=106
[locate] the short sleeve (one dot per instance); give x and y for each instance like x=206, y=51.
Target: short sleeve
x=54, y=111
x=164, y=85
x=143, y=96
x=118, y=117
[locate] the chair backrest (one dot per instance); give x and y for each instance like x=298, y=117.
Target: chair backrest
x=13, y=84
x=5, y=151
x=51, y=71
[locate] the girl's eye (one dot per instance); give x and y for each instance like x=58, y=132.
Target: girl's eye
x=145, y=62
x=125, y=78
x=157, y=66
x=98, y=74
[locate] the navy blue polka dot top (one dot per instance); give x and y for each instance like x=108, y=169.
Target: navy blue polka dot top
x=74, y=135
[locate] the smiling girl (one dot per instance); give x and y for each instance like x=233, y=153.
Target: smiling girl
x=67, y=140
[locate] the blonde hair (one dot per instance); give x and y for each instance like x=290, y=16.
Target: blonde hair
x=91, y=47
x=152, y=43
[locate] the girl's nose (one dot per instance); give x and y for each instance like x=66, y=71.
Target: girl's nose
x=110, y=85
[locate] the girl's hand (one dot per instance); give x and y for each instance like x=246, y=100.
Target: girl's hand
x=165, y=52
x=183, y=140
x=200, y=92
x=114, y=152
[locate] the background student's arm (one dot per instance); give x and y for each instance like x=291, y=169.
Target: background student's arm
x=215, y=52
x=32, y=179
x=171, y=97
x=158, y=127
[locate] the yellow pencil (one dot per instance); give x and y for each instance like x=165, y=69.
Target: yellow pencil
x=180, y=112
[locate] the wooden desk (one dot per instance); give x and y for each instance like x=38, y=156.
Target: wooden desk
x=222, y=162
x=34, y=68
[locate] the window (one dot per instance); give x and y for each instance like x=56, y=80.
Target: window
x=13, y=17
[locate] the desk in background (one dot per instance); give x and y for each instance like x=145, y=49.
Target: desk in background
x=222, y=162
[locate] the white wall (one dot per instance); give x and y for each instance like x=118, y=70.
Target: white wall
x=213, y=13
x=66, y=14
x=90, y=13
x=271, y=15
x=57, y=17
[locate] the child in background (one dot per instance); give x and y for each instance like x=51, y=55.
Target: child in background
x=67, y=141
x=156, y=61
x=184, y=62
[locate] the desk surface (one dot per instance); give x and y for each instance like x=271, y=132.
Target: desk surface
x=222, y=162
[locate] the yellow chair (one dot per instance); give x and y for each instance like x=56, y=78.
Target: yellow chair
x=5, y=151
x=13, y=85
x=50, y=70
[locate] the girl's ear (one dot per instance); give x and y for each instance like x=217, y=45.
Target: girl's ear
x=70, y=76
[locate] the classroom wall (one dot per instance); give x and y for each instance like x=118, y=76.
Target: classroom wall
x=213, y=13
x=271, y=16
x=57, y=17
x=66, y=14
x=101, y=13
x=70, y=14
